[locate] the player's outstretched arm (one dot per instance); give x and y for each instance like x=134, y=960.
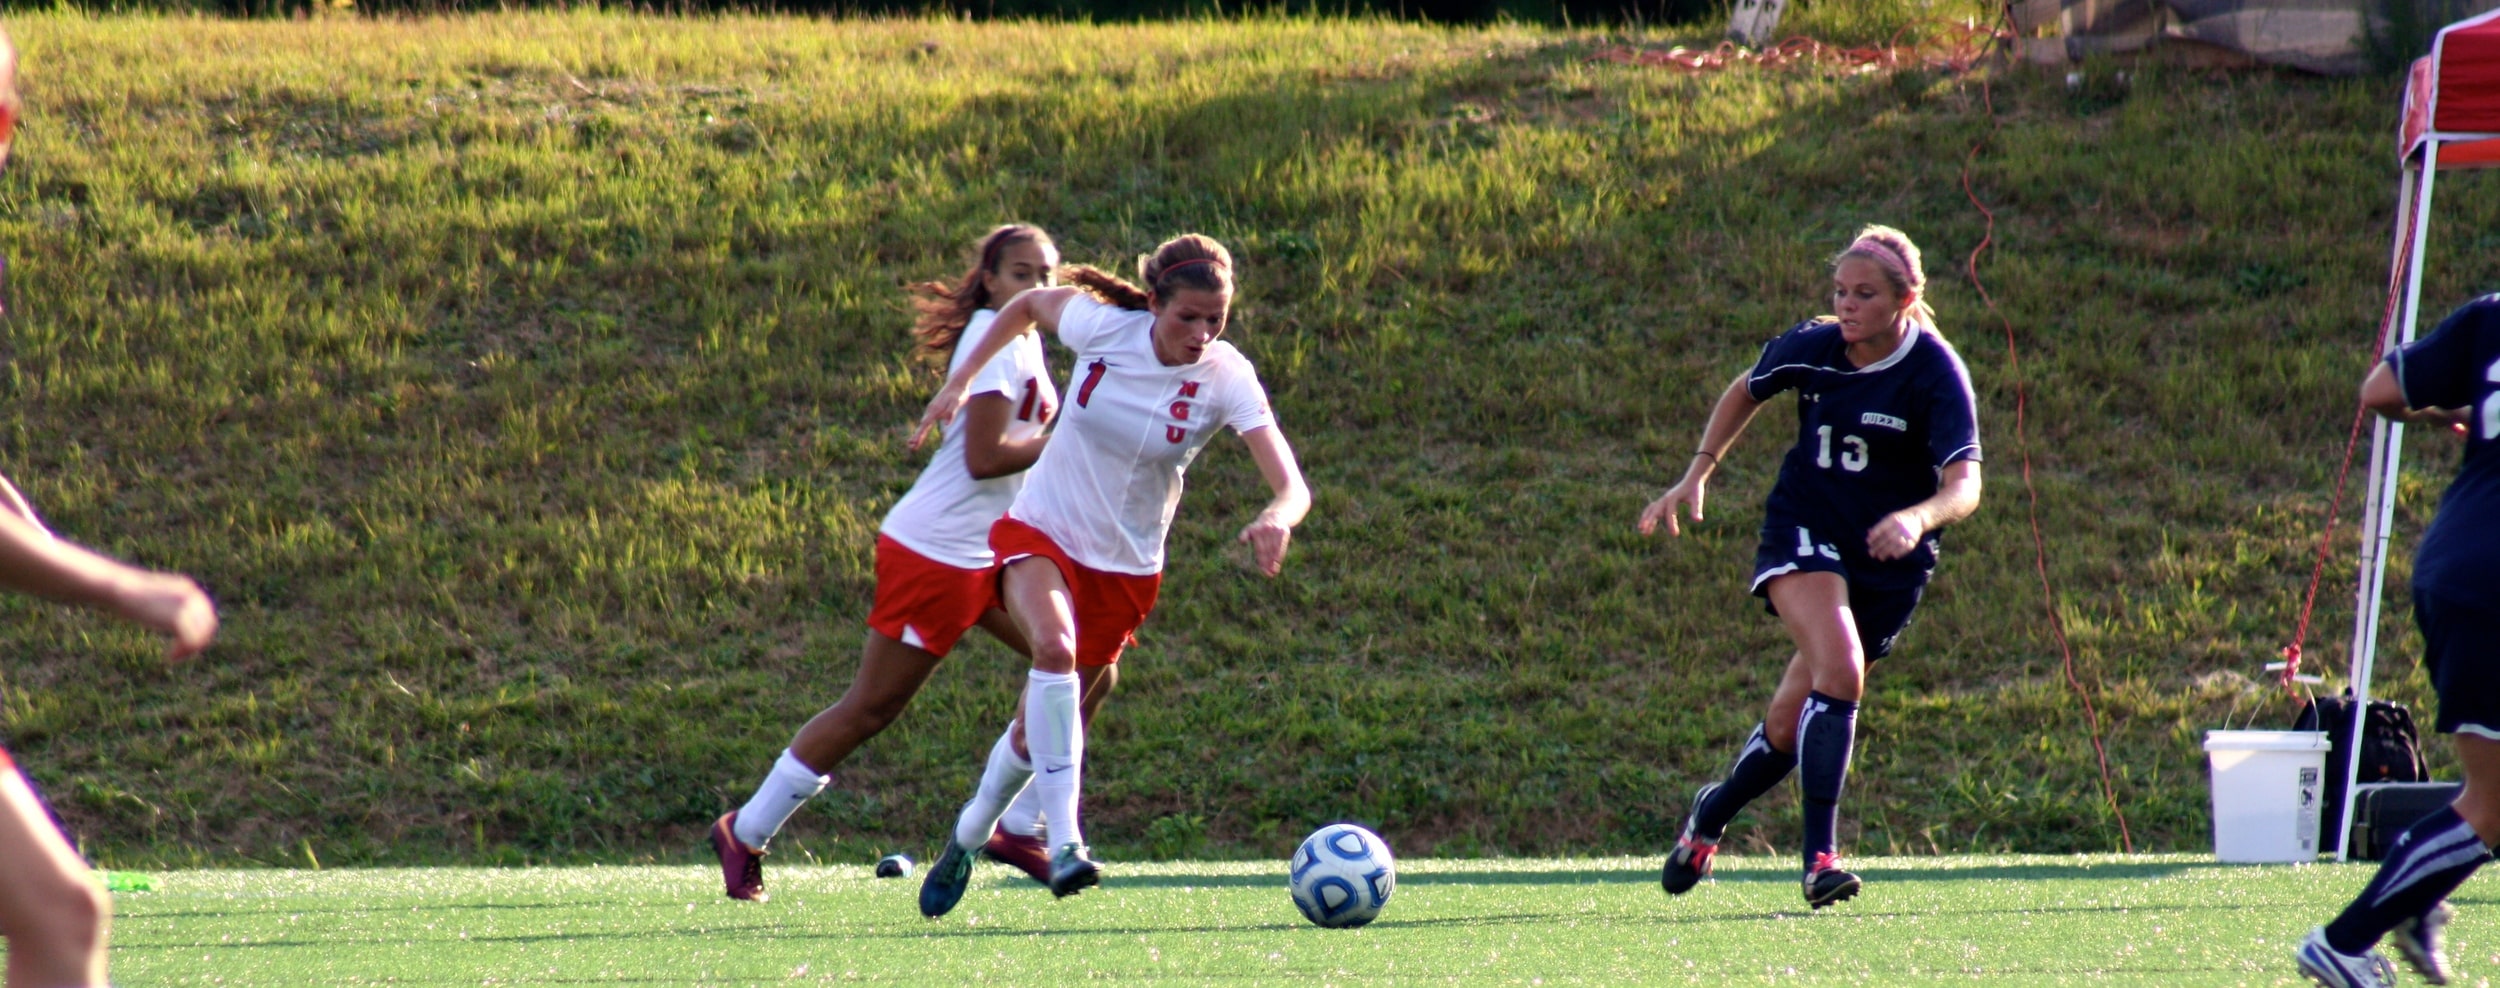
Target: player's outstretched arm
x=1270, y=532
x=1031, y=307
x=1956, y=497
x=1728, y=418
x=2381, y=393
x=33, y=561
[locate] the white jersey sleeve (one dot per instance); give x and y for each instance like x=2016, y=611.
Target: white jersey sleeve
x=1000, y=375
x=1246, y=407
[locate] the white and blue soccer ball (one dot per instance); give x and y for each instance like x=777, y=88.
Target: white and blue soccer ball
x=1343, y=875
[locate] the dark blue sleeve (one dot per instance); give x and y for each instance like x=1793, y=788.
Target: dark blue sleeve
x=2437, y=371
x=1784, y=364
x=1953, y=416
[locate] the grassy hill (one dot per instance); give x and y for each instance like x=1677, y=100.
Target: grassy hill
x=528, y=389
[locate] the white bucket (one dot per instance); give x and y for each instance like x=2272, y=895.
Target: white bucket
x=2266, y=790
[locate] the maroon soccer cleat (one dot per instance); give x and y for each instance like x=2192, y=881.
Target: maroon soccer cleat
x=1024, y=853
x=741, y=867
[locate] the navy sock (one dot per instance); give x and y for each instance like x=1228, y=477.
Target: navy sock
x=1826, y=730
x=1758, y=768
x=2430, y=860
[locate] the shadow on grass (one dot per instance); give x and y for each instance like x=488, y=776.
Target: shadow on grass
x=1023, y=932
x=2117, y=871
x=778, y=933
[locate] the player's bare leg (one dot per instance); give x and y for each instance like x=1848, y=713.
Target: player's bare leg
x=1053, y=725
x=1046, y=749
x=890, y=674
x=1815, y=609
x=52, y=911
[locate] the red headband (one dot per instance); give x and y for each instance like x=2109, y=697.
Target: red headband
x=1167, y=271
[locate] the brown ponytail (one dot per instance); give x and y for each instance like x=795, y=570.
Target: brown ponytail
x=1191, y=260
x=946, y=309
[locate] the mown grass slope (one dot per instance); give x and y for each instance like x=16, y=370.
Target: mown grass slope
x=528, y=388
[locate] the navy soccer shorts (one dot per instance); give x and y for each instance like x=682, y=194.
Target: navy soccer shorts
x=1880, y=598
x=2461, y=652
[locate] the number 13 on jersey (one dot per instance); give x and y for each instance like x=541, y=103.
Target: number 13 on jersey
x=1852, y=458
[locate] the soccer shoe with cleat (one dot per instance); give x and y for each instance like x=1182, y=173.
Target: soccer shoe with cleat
x=1072, y=870
x=1689, y=862
x=2418, y=942
x=945, y=885
x=1023, y=852
x=2338, y=970
x=1826, y=883
x=741, y=867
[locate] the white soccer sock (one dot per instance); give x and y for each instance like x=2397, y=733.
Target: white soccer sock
x=1055, y=734
x=1024, y=816
x=1002, y=781
x=789, y=784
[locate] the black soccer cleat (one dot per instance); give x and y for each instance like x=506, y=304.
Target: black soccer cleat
x=2417, y=940
x=1826, y=883
x=1689, y=861
x=947, y=878
x=1072, y=870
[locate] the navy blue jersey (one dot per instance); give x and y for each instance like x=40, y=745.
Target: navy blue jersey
x=2458, y=366
x=1870, y=440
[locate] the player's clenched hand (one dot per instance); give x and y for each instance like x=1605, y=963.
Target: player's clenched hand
x=1686, y=491
x=1267, y=539
x=1894, y=537
x=174, y=607
x=942, y=408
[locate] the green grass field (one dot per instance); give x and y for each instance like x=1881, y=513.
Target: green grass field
x=2170, y=921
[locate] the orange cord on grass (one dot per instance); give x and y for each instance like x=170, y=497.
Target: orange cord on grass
x=2022, y=441
x=1951, y=48
x=2343, y=474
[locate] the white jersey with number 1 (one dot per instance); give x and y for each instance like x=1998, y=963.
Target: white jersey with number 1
x=1107, y=484
x=946, y=516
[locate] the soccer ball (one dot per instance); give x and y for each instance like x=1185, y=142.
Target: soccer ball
x=1342, y=876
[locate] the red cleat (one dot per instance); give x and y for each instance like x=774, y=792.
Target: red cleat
x=741, y=867
x=1025, y=854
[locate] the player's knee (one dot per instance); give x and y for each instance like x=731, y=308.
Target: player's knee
x=2480, y=806
x=1054, y=653
x=72, y=922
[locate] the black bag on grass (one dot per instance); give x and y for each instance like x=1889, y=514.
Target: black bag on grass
x=2391, y=751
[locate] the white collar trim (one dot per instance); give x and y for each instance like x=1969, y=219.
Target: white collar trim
x=1909, y=338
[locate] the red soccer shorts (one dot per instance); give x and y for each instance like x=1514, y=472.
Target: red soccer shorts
x=1109, y=606
x=924, y=603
